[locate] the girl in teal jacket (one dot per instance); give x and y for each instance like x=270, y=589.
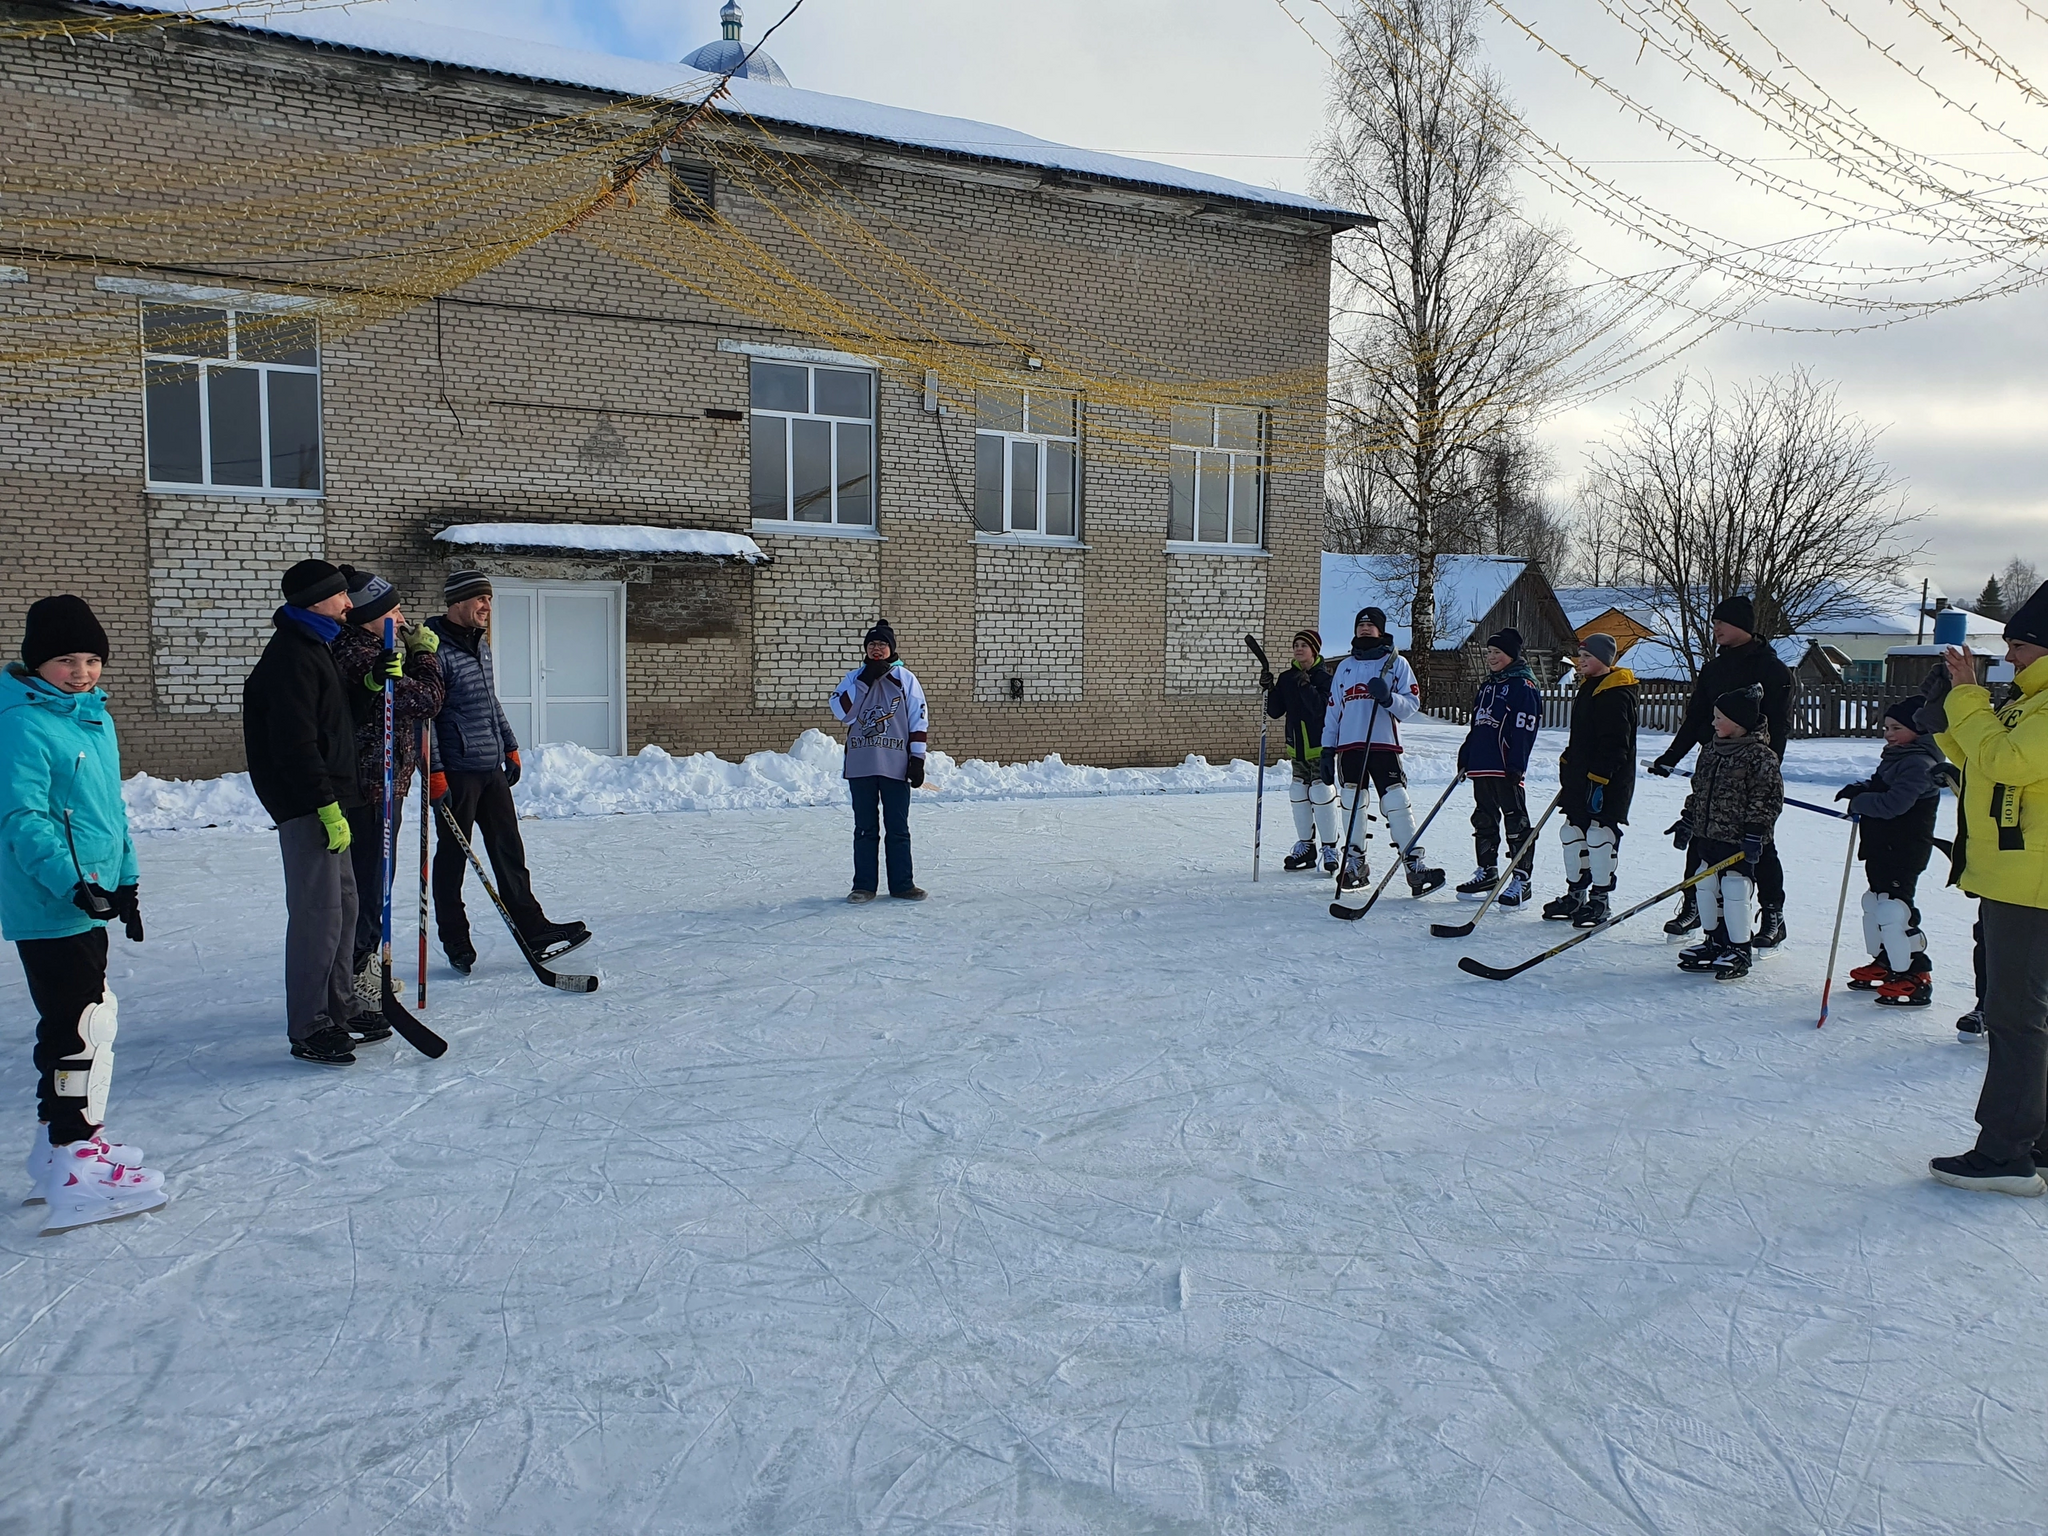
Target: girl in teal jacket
x=67, y=866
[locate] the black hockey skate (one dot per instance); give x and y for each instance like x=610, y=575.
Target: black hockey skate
x=551, y=941
x=1303, y=855
x=1421, y=879
x=1563, y=909
x=1703, y=955
x=1770, y=928
x=1593, y=911
x=1355, y=872
x=1971, y=1025
x=1687, y=917
x=1733, y=963
x=1482, y=882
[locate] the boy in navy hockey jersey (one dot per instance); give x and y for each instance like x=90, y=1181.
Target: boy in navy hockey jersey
x=1505, y=716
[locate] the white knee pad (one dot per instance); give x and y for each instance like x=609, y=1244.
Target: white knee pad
x=1298, y=802
x=88, y=1074
x=1602, y=844
x=1710, y=903
x=1873, y=939
x=1400, y=817
x=1353, y=816
x=1322, y=799
x=1733, y=901
x=1575, y=852
x=1897, y=936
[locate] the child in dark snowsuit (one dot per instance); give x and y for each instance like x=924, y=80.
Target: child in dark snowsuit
x=1896, y=807
x=1506, y=714
x=1737, y=797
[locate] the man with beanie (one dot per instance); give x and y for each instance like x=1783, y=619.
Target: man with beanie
x=2002, y=859
x=1506, y=714
x=1372, y=691
x=416, y=694
x=300, y=736
x=1301, y=695
x=475, y=766
x=1597, y=775
x=67, y=867
x=1741, y=660
x=887, y=729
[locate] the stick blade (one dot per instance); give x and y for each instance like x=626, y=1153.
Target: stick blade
x=1451, y=930
x=1349, y=914
x=1473, y=967
x=417, y=1035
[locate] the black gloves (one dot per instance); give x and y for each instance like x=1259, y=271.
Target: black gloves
x=127, y=906
x=1265, y=679
x=917, y=773
x=1850, y=791
x=1382, y=695
x=95, y=903
x=512, y=768
x=1752, y=847
x=1329, y=768
x=1680, y=832
x=1662, y=770
x=1932, y=716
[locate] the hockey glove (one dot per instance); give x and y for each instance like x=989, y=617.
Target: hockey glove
x=420, y=638
x=1681, y=833
x=1265, y=680
x=337, y=827
x=390, y=663
x=1662, y=770
x=1752, y=848
x=94, y=902
x=917, y=773
x=129, y=907
x=1328, y=766
x=437, y=786
x=512, y=768
x=1380, y=693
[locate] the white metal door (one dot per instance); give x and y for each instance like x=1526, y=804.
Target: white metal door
x=560, y=648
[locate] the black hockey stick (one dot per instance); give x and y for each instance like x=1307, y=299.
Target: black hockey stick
x=548, y=978
x=1259, y=812
x=1473, y=967
x=1388, y=878
x=1459, y=930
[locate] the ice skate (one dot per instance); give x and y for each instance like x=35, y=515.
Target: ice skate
x=1770, y=928
x=327, y=1046
x=551, y=941
x=1421, y=879
x=1593, y=911
x=1687, y=917
x=1701, y=956
x=369, y=983
x=1733, y=963
x=1301, y=856
x=42, y=1157
x=1330, y=860
x=83, y=1187
x=1356, y=872
x=1515, y=894
x=1970, y=1027
x=1482, y=881
x=1562, y=909
x=1910, y=988
x=1868, y=978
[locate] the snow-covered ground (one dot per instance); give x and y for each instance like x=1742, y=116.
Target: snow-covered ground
x=1105, y=1192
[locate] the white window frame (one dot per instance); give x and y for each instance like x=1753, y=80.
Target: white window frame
x=1039, y=532
x=234, y=310
x=1187, y=460
x=536, y=701
x=789, y=522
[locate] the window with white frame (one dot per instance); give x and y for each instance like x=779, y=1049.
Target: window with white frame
x=813, y=444
x=1027, y=460
x=231, y=399
x=1217, y=473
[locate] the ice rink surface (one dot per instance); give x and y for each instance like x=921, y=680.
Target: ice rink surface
x=1104, y=1192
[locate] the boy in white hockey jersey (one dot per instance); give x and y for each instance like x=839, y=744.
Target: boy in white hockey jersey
x=1373, y=691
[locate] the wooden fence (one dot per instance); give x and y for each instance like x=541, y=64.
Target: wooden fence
x=1846, y=709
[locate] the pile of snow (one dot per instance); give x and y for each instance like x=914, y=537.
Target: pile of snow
x=607, y=538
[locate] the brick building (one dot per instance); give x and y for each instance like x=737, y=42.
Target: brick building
x=1051, y=596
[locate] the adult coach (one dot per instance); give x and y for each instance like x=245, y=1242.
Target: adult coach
x=1740, y=661
x=2002, y=853
x=883, y=707
x=476, y=763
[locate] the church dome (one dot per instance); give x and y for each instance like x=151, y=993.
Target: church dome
x=729, y=55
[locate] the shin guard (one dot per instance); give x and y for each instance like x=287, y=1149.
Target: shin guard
x=88, y=1074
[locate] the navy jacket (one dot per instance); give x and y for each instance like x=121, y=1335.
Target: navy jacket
x=471, y=734
x=1897, y=806
x=1505, y=717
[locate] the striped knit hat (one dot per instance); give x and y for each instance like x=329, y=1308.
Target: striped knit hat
x=461, y=586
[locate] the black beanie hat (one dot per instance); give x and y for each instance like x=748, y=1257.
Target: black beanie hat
x=461, y=586
x=61, y=626
x=1376, y=617
x=1509, y=640
x=311, y=580
x=1745, y=706
x=1739, y=611
x=2029, y=626
x=881, y=632
x=1601, y=646
x=370, y=596
x=1309, y=638
x=1906, y=712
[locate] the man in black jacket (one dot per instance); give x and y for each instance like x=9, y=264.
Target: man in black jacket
x=1742, y=660
x=301, y=744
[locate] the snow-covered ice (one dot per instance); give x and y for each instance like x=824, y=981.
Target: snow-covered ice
x=1106, y=1191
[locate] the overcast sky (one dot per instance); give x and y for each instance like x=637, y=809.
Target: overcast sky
x=1235, y=87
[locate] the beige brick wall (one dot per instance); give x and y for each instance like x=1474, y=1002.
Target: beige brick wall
x=568, y=385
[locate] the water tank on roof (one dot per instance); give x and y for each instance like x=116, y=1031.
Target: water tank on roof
x=729, y=54
x=1951, y=627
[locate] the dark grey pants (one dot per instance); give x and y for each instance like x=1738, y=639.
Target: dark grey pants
x=2013, y=1108
x=320, y=929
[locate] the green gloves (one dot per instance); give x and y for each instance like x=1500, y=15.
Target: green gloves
x=337, y=827
x=421, y=638
x=390, y=663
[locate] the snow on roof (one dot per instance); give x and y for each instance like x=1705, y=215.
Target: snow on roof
x=1581, y=604
x=1659, y=661
x=606, y=538
x=1467, y=587
x=767, y=103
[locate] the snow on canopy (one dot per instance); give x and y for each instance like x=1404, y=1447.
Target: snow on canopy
x=1467, y=587
x=606, y=538
x=768, y=103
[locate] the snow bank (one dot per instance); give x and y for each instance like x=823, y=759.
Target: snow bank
x=607, y=538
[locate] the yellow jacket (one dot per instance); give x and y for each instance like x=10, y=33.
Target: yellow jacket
x=2003, y=831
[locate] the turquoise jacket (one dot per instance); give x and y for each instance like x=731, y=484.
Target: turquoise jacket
x=58, y=752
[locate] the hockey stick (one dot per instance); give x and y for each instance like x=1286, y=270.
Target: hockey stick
x=1259, y=812
x=1473, y=967
x=417, y=1035
x=1804, y=805
x=426, y=820
x=561, y=983
x=1841, y=906
x=1388, y=878
x=1459, y=930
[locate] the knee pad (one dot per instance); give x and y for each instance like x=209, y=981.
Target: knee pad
x=88, y=1074
x=1298, y=802
x=1734, y=903
x=1400, y=815
x=1574, y=841
x=1323, y=807
x=1898, y=932
x=1873, y=937
x=1602, y=844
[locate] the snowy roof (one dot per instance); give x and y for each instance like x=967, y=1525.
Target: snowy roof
x=1467, y=587
x=1581, y=604
x=768, y=103
x=1659, y=661
x=606, y=538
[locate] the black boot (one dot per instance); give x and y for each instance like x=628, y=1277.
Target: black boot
x=1563, y=909
x=1687, y=917
x=1593, y=910
x=1770, y=928
x=1701, y=956
x=1733, y=963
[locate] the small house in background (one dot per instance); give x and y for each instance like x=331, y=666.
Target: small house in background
x=1626, y=613
x=1476, y=595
